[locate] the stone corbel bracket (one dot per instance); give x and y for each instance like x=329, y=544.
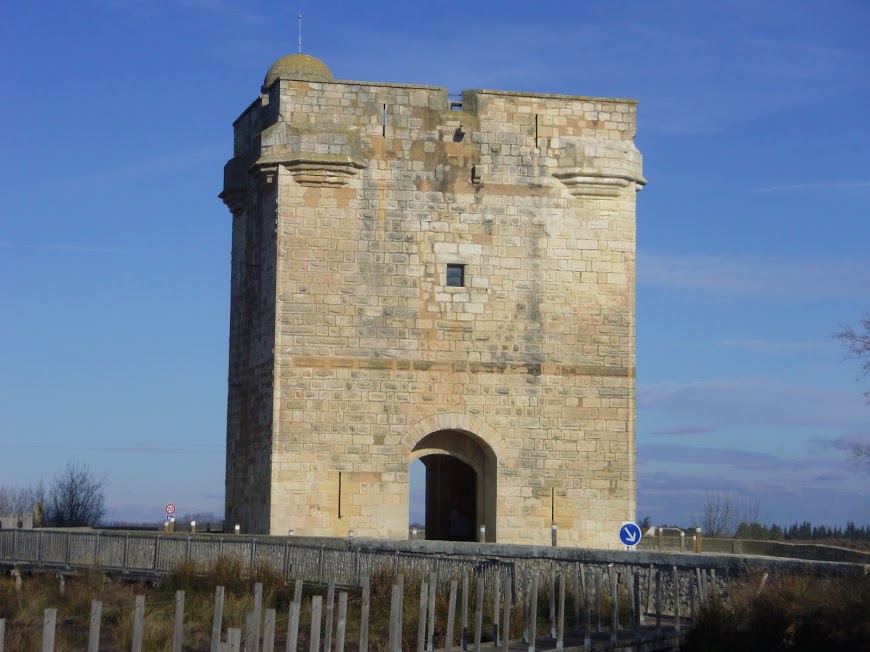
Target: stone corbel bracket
x=308, y=169
x=593, y=167
x=585, y=182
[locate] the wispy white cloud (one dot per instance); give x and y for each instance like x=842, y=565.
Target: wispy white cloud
x=136, y=448
x=749, y=276
x=74, y=248
x=717, y=456
x=753, y=403
x=135, y=170
x=767, y=346
x=684, y=430
x=814, y=186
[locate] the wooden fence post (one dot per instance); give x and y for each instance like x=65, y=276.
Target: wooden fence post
x=249, y=632
x=258, y=611
x=714, y=588
x=269, y=631
x=217, y=620
x=138, y=622
x=178, y=629
x=394, y=607
x=234, y=639
x=451, y=618
x=400, y=612
x=49, y=623
x=93, y=627
x=364, y=616
x=421, y=619
x=676, y=581
x=478, y=616
x=316, y=604
x=330, y=614
x=293, y=621
x=342, y=621
x=433, y=592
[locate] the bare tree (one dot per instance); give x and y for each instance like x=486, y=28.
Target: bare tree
x=860, y=455
x=857, y=344
x=76, y=498
x=20, y=500
x=722, y=513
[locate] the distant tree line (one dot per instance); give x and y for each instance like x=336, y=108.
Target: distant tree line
x=805, y=531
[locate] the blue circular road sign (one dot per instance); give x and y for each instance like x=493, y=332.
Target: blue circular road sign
x=629, y=534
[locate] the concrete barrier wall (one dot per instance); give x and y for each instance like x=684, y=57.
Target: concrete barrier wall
x=685, y=577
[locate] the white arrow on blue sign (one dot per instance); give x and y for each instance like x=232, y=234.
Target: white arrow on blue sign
x=629, y=534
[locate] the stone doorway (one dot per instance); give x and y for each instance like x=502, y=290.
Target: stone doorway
x=451, y=499
x=460, y=485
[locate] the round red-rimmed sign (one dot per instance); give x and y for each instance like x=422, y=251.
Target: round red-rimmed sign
x=170, y=508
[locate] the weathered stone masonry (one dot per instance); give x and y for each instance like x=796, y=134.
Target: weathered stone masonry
x=350, y=356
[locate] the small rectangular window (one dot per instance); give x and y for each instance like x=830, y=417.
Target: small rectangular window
x=456, y=276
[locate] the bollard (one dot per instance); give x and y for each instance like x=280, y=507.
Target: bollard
x=193, y=527
x=661, y=533
x=554, y=530
x=290, y=533
x=682, y=541
x=237, y=529
x=413, y=534
x=350, y=534
x=482, y=534
x=698, y=545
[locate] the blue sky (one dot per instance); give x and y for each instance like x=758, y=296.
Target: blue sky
x=753, y=232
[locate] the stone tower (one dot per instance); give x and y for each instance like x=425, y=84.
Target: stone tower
x=415, y=277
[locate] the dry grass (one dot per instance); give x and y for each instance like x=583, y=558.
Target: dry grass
x=787, y=612
x=23, y=609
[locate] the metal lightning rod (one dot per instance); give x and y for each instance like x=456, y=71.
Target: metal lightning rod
x=300, y=33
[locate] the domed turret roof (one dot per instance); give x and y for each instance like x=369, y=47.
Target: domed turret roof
x=300, y=67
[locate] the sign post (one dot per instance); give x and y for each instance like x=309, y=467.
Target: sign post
x=170, y=517
x=629, y=534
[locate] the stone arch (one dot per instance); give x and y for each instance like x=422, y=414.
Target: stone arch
x=466, y=423
x=475, y=449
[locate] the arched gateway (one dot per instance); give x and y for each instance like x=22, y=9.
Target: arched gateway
x=410, y=282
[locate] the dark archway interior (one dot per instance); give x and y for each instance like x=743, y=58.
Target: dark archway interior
x=451, y=499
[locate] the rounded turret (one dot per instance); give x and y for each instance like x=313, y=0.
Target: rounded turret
x=299, y=67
